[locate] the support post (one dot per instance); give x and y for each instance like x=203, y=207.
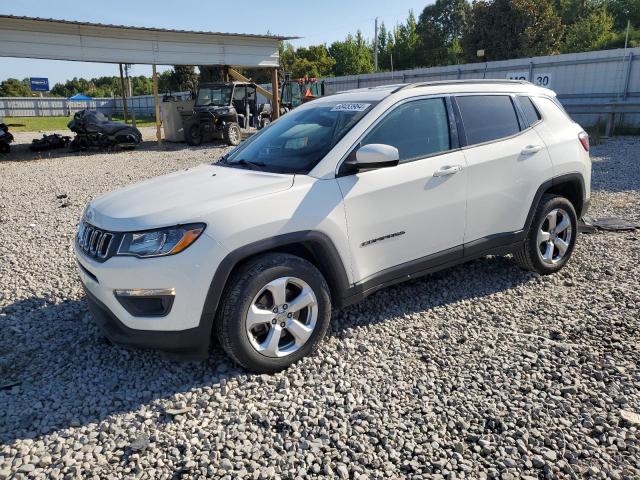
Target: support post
x=236, y=75
x=275, y=95
x=611, y=121
x=130, y=90
x=225, y=73
x=375, y=47
x=157, y=104
x=124, y=95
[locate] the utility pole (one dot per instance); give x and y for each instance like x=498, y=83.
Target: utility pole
x=124, y=95
x=626, y=37
x=130, y=88
x=375, y=46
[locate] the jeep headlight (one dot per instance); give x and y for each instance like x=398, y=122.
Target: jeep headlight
x=161, y=242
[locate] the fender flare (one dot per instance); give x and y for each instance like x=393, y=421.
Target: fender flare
x=320, y=244
x=566, y=178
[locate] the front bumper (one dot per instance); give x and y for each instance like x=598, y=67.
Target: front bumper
x=183, y=329
x=190, y=344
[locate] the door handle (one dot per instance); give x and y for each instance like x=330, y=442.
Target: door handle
x=531, y=149
x=447, y=170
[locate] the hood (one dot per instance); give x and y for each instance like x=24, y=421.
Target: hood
x=181, y=197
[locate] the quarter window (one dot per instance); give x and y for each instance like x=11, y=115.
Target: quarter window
x=418, y=128
x=530, y=112
x=487, y=118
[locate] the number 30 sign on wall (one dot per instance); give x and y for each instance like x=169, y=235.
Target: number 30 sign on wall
x=541, y=79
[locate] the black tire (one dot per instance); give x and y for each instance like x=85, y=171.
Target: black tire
x=232, y=134
x=529, y=255
x=194, y=135
x=5, y=148
x=264, y=122
x=244, y=285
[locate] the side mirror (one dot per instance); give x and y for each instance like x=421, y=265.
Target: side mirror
x=376, y=155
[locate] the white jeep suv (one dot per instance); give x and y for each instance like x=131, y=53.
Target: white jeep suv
x=339, y=198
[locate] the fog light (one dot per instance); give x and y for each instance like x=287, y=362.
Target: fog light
x=146, y=302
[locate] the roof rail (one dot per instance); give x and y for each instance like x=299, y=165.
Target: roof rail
x=454, y=82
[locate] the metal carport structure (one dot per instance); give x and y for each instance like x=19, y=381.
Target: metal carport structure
x=30, y=37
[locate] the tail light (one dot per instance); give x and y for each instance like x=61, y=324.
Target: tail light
x=584, y=140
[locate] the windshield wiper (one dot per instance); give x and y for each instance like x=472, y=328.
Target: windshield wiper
x=247, y=163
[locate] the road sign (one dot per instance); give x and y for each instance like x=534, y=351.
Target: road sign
x=39, y=84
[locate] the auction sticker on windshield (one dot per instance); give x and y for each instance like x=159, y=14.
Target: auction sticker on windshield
x=350, y=107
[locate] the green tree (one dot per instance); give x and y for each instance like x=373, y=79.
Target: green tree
x=208, y=73
x=352, y=56
x=287, y=53
x=313, y=61
x=140, y=85
x=440, y=28
x=406, y=44
x=592, y=32
x=512, y=29
x=165, y=82
x=12, y=87
x=185, y=78
x=623, y=10
x=570, y=11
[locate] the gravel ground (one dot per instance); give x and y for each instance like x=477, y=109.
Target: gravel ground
x=480, y=371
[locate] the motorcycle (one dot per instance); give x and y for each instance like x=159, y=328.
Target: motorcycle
x=94, y=129
x=5, y=139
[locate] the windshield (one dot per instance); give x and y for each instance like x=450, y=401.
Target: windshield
x=218, y=96
x=298, y=141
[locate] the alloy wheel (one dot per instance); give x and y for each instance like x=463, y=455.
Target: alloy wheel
x=554, y=236
x=234, y=134
x=282, y=317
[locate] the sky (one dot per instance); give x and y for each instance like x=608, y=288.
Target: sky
x=330, y=20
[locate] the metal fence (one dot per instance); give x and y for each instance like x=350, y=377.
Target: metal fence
x=593, y=86
x=50, y=106
x=141, y=105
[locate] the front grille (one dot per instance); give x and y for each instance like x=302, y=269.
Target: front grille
x=94, y=242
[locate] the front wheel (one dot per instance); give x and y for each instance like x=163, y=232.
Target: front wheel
x=232, y=133
x=5, y=148
x=194, y=135
x=275, y=311
x=551, y=237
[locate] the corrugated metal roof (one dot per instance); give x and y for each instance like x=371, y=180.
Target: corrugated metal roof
x=149, y=29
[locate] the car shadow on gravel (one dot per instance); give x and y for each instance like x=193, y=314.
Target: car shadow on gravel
x=472, y=280
x=62, y=373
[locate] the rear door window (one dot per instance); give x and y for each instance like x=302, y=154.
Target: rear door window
x=531, y=114
x=487, y=117
x=418, y=128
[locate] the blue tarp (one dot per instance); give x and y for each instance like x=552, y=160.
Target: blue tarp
x=79, y=96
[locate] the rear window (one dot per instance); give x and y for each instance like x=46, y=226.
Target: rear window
x=487, y=117
x=530, y=112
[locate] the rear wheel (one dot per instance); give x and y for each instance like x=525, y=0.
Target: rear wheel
x=276, y=311
x=5, y=148
x=551, y=237
x=232, y=133
x=194, y=135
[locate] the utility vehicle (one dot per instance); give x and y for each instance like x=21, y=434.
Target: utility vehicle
x=223, y=110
